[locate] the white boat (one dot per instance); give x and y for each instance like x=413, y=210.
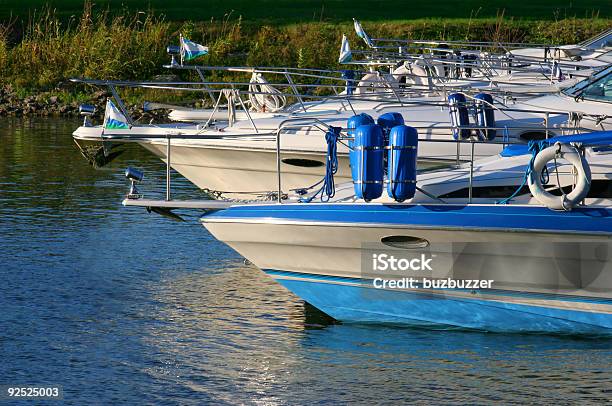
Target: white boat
x=595, y=52
x=240, y=158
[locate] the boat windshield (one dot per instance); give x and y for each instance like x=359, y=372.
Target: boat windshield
x=598, y=87
x=603, y=40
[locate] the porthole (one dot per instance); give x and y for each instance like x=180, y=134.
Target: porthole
x=304, y=163
x=405, y=242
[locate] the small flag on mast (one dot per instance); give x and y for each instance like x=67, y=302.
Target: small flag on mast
x=113, y=118
x=190, y=50
x=345, y=51
x=361, y=33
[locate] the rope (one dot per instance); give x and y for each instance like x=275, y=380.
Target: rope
x=328, y=189
x=272, y=101
x=534, y=147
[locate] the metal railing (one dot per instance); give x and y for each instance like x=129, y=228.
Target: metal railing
x=301, y=123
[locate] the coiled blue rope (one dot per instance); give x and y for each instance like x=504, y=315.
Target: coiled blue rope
x=534, y=147
x=328, y=189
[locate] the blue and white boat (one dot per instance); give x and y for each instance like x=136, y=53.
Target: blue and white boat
x=497, y=258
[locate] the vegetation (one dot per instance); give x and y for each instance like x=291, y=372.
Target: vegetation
x=279, y=12
x=39, y=54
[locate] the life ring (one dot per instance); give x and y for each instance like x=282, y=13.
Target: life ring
x=574, y=157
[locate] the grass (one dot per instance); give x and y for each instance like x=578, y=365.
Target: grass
x=54, y=44
x=299, y=11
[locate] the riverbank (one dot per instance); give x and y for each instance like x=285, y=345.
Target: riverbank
x=64, y=104
x=35, y=68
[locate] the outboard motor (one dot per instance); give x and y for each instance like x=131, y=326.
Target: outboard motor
x=485, y=116
x=510, y=61
x=459, y=115
x=402, y=162
x=87, y=110
x=367, y=161
x=458, y=57
x=556, y=71
x=351, y=125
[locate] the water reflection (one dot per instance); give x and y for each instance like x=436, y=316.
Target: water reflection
x=119, y=305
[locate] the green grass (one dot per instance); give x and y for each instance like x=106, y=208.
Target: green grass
x=100, y=42
x=294, y=11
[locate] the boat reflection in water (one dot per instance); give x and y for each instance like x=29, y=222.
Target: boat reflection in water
x=235, y=334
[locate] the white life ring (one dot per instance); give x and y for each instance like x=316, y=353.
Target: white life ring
x=573, y=156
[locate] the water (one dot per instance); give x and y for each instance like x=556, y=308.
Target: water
x=117, y=305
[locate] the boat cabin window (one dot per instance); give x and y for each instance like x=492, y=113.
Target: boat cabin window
x=602, y=40
x=600, y=189
x=597, y=88
x=485, y=192
x=601, y=90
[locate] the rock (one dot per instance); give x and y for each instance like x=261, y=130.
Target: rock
x=99, y=95
x=53, y=100
x=166, y=78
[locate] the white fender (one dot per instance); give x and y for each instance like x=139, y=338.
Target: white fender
x=573, y=156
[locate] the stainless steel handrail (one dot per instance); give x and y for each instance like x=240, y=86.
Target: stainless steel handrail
x=282, y=126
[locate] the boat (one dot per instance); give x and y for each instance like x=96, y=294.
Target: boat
x=476, y=254
x=238, y=159
x=593, y=53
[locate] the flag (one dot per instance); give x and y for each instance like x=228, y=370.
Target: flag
x=345, y=51
x=113, y=118
x=190, y=50
x=361, y=33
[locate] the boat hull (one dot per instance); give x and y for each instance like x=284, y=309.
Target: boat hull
x=242, y=172
x=543, y=280
x=354, y=301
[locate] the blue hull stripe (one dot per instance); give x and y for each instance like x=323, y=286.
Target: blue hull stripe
x=354, y=303
x=582, y=220
x=368, y=283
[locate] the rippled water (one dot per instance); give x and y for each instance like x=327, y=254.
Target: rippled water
x=117, y=305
